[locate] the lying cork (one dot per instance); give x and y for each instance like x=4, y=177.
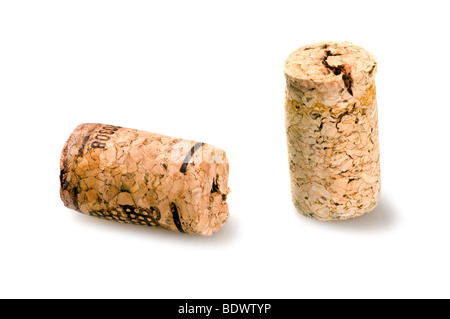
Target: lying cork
x=332, y=130
x=136, y=177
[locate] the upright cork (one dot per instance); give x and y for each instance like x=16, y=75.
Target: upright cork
x=137, y=177
x=332, y=130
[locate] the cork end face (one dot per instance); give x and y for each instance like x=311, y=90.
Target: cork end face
x=213, y=210
x=63, y=180
x=69, y=189
x=330, y=65
x=219, y=194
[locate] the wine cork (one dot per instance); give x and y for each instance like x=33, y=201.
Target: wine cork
x=332, y=130
x=136, y=177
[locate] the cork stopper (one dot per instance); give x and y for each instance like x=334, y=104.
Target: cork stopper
x=330, y=66
x=332, y=130
x=137, y=177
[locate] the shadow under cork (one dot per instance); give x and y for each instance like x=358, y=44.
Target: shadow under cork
x=382, y=218
x=225, y=235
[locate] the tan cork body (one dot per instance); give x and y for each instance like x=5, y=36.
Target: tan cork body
x=332, y=130
x=137, y=177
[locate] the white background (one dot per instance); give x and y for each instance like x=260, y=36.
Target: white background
x=214, y=73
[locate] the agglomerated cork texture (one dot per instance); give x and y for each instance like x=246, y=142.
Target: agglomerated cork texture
x=137, y=177
x=332, y=130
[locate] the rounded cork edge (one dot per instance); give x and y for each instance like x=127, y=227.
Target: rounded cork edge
x=65, y=193
x=217, y=214
x=69, y=194
x=329, y=66
x=220, y=191
x=338, y=218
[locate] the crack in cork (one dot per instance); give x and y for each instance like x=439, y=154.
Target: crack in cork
x=337, y=70
x=347, y=112
x=215, y=186
x=373, y=68
x=63, y=177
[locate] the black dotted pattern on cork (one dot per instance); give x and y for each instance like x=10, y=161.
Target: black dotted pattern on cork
x=132, y=215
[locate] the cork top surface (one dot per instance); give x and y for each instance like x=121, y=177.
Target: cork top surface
x=330, y=62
